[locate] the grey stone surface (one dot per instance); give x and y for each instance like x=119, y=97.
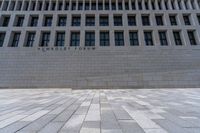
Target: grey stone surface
x=100, y=111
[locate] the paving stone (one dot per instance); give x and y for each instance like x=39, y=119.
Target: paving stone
x=100, y=111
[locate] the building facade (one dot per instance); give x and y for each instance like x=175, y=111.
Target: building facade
x=100, y=43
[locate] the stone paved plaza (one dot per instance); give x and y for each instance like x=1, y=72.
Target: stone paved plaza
x=95, y=111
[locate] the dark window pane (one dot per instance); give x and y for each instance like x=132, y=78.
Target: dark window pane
x=119, y=39
x=75, y=39
x=104, y=39
x=148, y=38
x=163, y=38
x=133, y=38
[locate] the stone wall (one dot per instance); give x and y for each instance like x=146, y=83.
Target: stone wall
x=104, y=67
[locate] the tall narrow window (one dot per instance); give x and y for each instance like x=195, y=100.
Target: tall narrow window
x=191, y=37
x=118, y=21
x=60, y=39
x=90, y=21
x=126, y=5
x=104, y=21
x=133, y=38
x=113, y=6
x=87, y=6
x=15, y=41
x=159, y=20
x=145, y=20
x=30, y=39
x=73, y=7
x=131, y=20
x=48, y=21
x=45, y=39
x=186, y=19
x=6, y=20
x=20, y=21
x=62, y=21
x=2, y=37
x=89, y=38
x=80, y=6
x=104, y=38
x=198, y=18
x=163, y=38
x=34, y=21
x=177, y=38
x=100, y=6
x=107, y=6
x=173, y=20
x=140, y=5
x=133, y=5
x=75, y=39
x=76, y=21
x=148, y=38
x=120, y=6
x=119, y=38
x=66, y=5
x=93, y=6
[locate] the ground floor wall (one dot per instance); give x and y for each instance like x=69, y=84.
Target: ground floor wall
x=117, y=67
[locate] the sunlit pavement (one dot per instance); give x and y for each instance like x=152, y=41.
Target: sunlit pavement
x=95, y=111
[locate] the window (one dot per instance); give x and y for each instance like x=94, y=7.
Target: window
x=119, y=38
x=113, y=6
x=100, y=6
x=126, y=5
x=60, y=39
x=89, y=38
x=15, y=41
x=34, y=21
x=53, y=6
x=166, y=5
x=159, y=20
x=90, y=21
x=48, y=21
x=186, y=19
x=45, y=39
x=107, y=6
x=19, y=22
x=145, y=20
x=6, y=20
x=30, y=39
x=87, y=6
x=60, y=5
x=148, y=38
x=117, y=20
x=75, y=39
x=159, y=5
x=62, y=21
x=93, y=6
x=173, y=20
x=2, y=36
x=80, y=6
x=104, y=21
x=131, y=20
x=153, y=5
x=163, y=38
x=76, y=21
x=133, y=38
x=133, y=5
x=146, y=5
x=104, y=38
x=177, y=38
x=192, y=38
x=73, y=7
x=66, y=5
x=198, y=17
x=120, y=6
x=140, y=5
